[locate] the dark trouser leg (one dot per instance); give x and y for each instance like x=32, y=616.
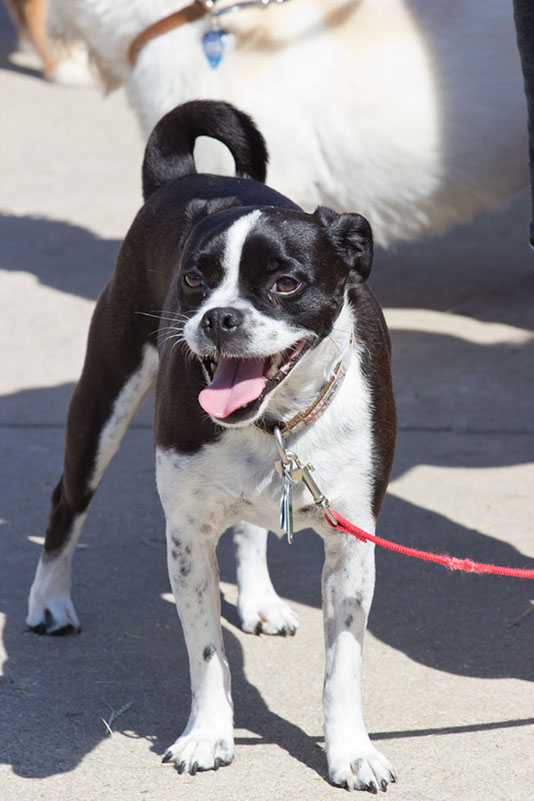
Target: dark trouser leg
x=524, y=21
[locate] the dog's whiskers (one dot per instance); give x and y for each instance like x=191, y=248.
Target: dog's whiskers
x=177, y=335
x=161, y=316
x=173, y=328
x=174, y=334
x=335, y=344
x=182, y=342
x=347, y=331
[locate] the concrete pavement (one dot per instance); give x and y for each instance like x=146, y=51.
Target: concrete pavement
x=449, y=659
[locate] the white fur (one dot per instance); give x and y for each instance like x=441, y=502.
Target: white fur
x=235, y=239
x=127, y=403
x=350, y=411
x=50, y=590
x=193, y=571
x=260, y=608
x=73, y=70
x=234, y=478
x=410, y=112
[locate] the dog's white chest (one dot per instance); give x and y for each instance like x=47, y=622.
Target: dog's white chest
x=234, y=478
x=226, y=481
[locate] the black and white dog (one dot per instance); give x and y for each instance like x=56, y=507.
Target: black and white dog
x=265, y=320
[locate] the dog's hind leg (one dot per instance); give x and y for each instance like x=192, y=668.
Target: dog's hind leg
x=118, y=375
x=260, y=608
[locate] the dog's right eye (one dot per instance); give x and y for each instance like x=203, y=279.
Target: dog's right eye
x=193, y=280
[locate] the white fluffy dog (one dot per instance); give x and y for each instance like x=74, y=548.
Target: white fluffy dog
x=410, y=112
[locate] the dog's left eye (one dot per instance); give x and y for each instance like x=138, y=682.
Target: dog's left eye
x=193, y=280
x=285, y=285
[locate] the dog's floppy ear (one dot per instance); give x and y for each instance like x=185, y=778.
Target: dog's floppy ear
x=351, y=237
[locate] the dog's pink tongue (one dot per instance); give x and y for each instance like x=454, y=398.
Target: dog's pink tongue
x=236, y=382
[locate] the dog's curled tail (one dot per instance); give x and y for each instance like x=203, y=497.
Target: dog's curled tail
x=169, y=151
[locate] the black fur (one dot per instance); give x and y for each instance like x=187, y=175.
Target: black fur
x=169, y=151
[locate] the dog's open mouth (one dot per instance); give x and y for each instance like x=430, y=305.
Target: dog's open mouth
x=238, y=386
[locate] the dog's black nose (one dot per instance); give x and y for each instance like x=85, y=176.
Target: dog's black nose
x=221, y=323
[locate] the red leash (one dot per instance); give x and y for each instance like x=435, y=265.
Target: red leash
x=289, y=466
x=452, y=562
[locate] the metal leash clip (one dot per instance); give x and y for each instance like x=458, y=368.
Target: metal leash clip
x=291, y=469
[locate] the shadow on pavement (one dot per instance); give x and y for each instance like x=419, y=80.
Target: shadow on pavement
x=446, y=383
x=462, y=624
x=18, y=410
x=497, y=725
x=131, y=649
x=66, y=257
x=484, y=269
x=444, y=273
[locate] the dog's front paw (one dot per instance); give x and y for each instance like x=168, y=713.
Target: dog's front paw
x=367, y=770
x=267, y=614
x=200, y=750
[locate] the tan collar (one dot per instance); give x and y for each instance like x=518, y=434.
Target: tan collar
x=192, y=12
x=321, y=402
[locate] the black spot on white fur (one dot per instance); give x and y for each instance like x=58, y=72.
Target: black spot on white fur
x=185, y=568
x=208, y=652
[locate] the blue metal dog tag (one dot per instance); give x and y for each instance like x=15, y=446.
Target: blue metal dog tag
x=214, y=46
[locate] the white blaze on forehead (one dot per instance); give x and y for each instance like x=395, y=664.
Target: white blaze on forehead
x=265, y=335
x=227, y=292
